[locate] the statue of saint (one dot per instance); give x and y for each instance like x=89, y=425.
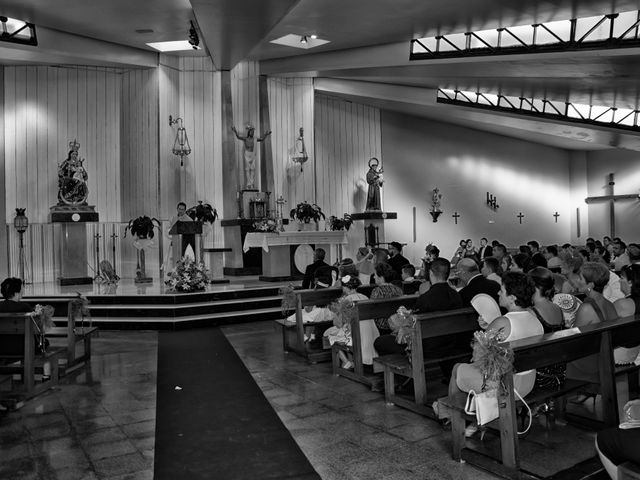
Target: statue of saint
x=249, y=153
x=72, y=179
x=375, y=180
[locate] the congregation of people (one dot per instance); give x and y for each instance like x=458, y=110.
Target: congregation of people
x=536, y=290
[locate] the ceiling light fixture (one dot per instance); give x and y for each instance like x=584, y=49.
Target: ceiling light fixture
x=17, y=31
x=313, y=36
x=194, y=39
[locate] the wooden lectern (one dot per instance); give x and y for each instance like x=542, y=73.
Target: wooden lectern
x=182, y=235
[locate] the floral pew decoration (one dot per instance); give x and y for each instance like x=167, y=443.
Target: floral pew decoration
x=42, y=317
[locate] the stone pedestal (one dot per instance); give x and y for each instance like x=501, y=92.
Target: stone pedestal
x=374, y=226
x=71, y=242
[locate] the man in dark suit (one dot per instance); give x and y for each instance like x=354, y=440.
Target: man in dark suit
x=439, y=297
x=318, y=261
x=396, y=260
x=486, y=250
x=474, y=282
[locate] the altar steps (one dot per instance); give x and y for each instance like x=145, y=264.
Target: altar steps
x=173, y=311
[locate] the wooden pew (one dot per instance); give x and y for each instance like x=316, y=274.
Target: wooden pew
x=18, y=356
x=536, y=352
x=428, y=325
x=293, y=333
x=74, y=334
x=366, y=310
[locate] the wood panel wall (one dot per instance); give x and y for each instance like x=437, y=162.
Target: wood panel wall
x=140, y=189
x=347, y=135
x=291, y=103
x=45, y=109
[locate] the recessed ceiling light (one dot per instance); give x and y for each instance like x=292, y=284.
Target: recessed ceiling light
x=293, y=40
x=174, y=46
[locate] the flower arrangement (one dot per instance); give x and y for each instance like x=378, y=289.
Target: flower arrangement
x=142, y=227
x=266, y=225
x=188, y=276
x=203, y=212
x=344, y=311
x=289, y=300
x=343, y=223
x=492, y=358
x=403, y=323
x=305, y=212
x=78, y=308
x=436, y=198
x=42, y=319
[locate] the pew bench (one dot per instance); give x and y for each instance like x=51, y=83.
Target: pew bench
x=293, y=332
x=628, y=471
x=18, y=357
x=74, y=337
x=537, y=352
x=433, y=325
x=366, y=310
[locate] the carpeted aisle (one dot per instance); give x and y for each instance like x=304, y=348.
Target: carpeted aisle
x=219, y=426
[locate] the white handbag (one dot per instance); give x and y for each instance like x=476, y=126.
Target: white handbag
x=483, y=405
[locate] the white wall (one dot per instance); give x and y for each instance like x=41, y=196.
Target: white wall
x=465, y=164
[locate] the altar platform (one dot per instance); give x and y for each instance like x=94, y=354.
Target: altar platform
x=152, y=306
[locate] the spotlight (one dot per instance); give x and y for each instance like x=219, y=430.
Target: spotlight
x=194, y=40
x=303, y=39
x=313, y=37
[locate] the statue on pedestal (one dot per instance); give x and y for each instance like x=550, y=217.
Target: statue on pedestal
x=72, y=179
x=375, y=181
x=249, y=153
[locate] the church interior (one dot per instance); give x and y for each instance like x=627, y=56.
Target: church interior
x=510, y=121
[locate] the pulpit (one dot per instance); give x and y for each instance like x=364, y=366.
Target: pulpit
x=184, y=234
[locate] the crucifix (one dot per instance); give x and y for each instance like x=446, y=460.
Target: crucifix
x=611, y=198
x=520, y=217
x=456, y=216
x=556, y=215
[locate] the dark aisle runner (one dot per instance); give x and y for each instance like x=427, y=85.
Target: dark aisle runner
x=219, y=425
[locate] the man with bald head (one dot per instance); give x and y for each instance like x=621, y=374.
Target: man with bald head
x=474, y=282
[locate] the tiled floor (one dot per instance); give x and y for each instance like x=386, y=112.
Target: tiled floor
x=99, y=423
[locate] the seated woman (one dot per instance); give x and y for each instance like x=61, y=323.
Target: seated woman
x=551, y=317
x=625, y=307
x=364, y=264
x=571, y=265
x=384, y=275
x=11, y=290
x=594, y=309
x=341, y=330
x=521, y=262
x=516, y=296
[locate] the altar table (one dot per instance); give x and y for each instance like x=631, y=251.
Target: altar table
x=277, y=250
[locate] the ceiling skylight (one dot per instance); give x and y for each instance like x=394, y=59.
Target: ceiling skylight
x=300, y=41
x=174, y=46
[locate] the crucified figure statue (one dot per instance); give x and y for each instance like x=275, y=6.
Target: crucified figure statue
x=249, y=153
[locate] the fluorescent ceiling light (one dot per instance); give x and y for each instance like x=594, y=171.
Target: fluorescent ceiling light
x=174, y=46
x=293, y=40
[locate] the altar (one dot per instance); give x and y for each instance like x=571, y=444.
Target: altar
x=285, y=255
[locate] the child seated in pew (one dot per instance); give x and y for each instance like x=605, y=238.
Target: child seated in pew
x=341, y=330
x=324, y=277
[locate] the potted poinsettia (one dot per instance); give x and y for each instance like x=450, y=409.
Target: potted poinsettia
x=142, y=228
x=203, y=212
x=306, y=212
x=343, y=223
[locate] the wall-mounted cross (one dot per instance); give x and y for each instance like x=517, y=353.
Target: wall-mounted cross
x=520, y=217
x=556, y=215
x=456, y=216
x=611, y=198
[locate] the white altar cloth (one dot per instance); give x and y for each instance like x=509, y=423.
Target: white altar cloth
x=266, y=240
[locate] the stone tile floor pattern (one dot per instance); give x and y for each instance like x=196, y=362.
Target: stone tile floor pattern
x=99, y=423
